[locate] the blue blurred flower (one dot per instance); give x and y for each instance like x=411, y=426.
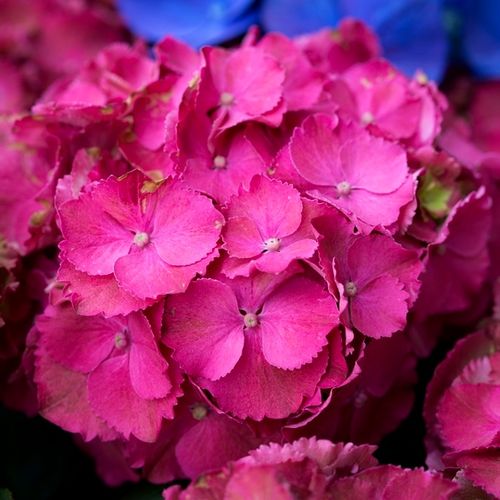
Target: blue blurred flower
x=411, y=32
x=197, y=22
x=415, y=34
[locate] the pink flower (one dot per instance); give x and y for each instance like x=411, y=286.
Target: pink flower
x=152, y=238
x=256, y=333
x=220, y=167
x=362, y=175
x=376, y=274
x=94, y=372
x=266, y=228
x=242, y=84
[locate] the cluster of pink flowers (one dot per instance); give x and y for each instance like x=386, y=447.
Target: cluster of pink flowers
x=254, y=247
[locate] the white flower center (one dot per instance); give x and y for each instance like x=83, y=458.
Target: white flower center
x=141, y=239
x=343, y=188
x=199, y=411
x=121, y=340
x=220, y=162
x=272, y=245
x=350, y=289
x=226, y=98
x=367, y=118
x=250, y=320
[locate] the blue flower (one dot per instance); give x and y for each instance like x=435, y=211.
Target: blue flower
x=197, y=22
x=411, y=32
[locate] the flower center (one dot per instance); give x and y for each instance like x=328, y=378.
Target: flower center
x=350, y=289
x=226, y=98
x=272, y=245
x=199, y=411
x=367, y=118
x=141, y=239
x=343, y=188
x=121, y=340
x=220, y=162
x=250, y=320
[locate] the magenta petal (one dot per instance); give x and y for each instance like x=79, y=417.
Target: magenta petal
x=475, y=407
x=113, y=398
x=63, y=399
x=223, y=438
x=256, y=389
x=79, y=343
x=380, y=308
x=145, y=275
x=186, y=226
x=93, y=239
x=242, y=238
x=275, y=207
x=148, y=368
x=315, y=150
x=291, y=335
x=92, y=295
x=205, y=329
x=277, y=262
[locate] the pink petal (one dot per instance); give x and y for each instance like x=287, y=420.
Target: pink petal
x=291, y=335
x=148, y=368
x=94, y=240
x=315, y=151
x=92, y=295
x=277, y=262
x=475, y=407
x=275, y=207
x=113, y=398
x=380, y=308
x=63, y=399
x=79, y=343
x=145, y=275
x=256, y=389
x=242, y=238
x=371, y=163
x=223, y=439
x=205, y=329
x=186, y=226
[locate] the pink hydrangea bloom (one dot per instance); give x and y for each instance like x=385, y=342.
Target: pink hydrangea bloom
x=266, y=228
x=242, y=84
x=123, y=380
x=258, y=330
x=152, y=238
x=374, y=273
x=362, y=175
